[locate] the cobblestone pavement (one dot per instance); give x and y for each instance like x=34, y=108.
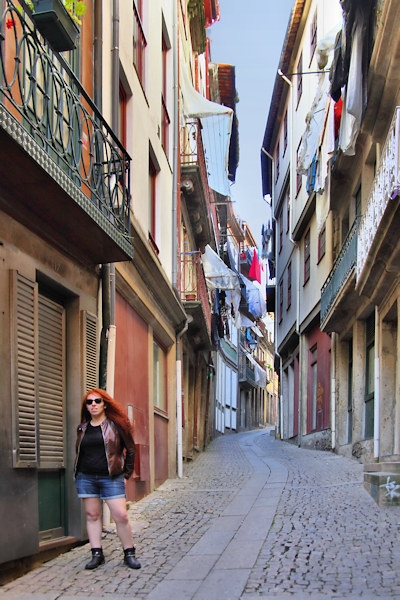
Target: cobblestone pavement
x=326, y=538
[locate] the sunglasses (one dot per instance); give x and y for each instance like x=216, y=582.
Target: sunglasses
x=90, y=401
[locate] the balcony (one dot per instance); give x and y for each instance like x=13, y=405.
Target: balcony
x=338, y=292
x=66, y=176
x=247, y=376
x=194, y=183
x=378, y=257
x=194, y=296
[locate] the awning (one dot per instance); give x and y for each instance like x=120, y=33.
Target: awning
x=216, y=121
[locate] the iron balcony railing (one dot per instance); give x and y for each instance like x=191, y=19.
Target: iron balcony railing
x=193, y=283
x=246, y=370
x=40, y=95
x=192, y=150
x=344, y=265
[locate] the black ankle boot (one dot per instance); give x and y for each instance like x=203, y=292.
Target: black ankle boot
x=96, y=560
x=130, y=559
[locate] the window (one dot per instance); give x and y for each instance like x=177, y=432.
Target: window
x=280, y=221
x=285, y=132
x=159, y=377
x=299, y=75
x=122, y=115
x=277, y=162
x=369, y=378
x=287, y=213
x=313, y=36
x=280, y=301
x=153, y=203
x=289, y=286
x=322, y=243
x=307, y=256
x=139, y=41
x=39, y=329
x=165, y=119
x=299, y=177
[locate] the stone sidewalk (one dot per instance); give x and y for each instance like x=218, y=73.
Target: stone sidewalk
x=253, y=517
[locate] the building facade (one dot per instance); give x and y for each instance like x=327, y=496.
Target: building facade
x=338, y=349
x=95, y=228
x=360, y=298
x=302, y=258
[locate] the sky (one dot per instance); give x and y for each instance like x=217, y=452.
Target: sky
x=250, y=36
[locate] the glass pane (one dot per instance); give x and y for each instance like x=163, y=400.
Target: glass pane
x=159, y=377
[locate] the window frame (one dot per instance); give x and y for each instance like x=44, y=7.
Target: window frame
x=160, y=377
x=307, y=256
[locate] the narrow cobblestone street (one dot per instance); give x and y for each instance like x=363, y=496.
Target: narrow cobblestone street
x=252, y=517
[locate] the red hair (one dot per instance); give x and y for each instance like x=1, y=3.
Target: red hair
x=114, y=411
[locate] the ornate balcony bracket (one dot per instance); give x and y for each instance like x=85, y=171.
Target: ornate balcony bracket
x=386, y=187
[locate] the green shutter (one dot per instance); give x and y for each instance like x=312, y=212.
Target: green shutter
x=89, y=351
x=24, y=390
x=51, y=384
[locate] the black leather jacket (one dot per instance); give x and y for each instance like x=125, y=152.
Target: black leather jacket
x=120, y=448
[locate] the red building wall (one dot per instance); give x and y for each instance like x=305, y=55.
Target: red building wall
x=132, y=387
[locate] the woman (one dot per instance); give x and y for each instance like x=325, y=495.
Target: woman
x=105, y=457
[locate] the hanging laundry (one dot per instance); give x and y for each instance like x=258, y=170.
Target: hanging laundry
x=255, y=270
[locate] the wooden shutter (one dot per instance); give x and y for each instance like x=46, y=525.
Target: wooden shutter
x=24, y=294
x=89, y=351
x=51, y=383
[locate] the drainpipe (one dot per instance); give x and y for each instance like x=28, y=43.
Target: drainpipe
x=176, y=247
x=115, y=127
x=377, y=391
x=175, y=233
x=105, y=270
x=175, y=156
x=109, y=328
x=98, y=53
x=108, y=335
x=179, y=445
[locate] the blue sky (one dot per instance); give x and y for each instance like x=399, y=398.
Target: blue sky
x=250, y=36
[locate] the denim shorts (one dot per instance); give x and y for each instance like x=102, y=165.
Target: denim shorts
x=100, y=486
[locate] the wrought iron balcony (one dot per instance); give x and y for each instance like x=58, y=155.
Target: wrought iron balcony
x=194, y=295
x=63, y=164
x=340, y=274
x=194, y=183
x=247, y=376
x=375, y=223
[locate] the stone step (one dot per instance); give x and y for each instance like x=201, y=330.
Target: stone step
x=383, y=486
x=382, y=467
